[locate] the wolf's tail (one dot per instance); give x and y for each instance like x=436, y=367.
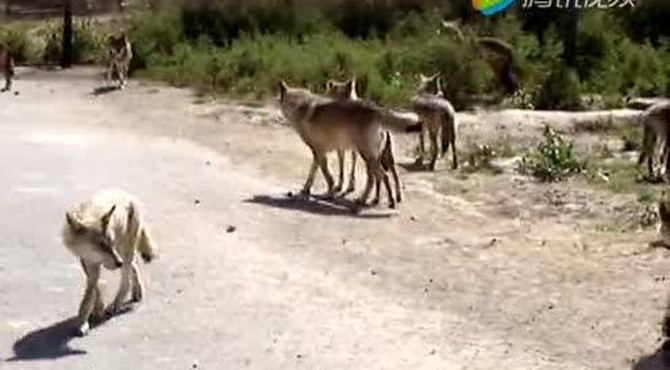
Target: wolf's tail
x=146, y=246
x=399, y=121
x=448, y=130
x=387, y=158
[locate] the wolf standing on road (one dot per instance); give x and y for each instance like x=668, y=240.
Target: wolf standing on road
x=656, y=126
x=326, y=124
x=106, y=231
x=437, y=115
x=120, y=55
x=6, y=66
x=347, y=90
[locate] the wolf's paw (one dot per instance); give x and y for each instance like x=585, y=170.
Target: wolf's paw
x=136, y=296
x=350, y=189
x=82, y=330
x=375, y=202
x=337, y=189
x=399, y=198
x=112, y=310
x=98, y=316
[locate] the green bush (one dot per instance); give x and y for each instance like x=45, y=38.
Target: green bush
x=23, y=47
x=552, y=160
x=88, y=42
x=561, y=90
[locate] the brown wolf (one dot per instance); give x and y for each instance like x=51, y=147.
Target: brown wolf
x=108, y=230
x=326, y=124
x=437, y=115
x=6, y=66
x=347, y=90
x=120, y=55
x=656, y=124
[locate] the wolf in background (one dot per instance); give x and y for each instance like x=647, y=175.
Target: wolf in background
x=347, y=90
x=326, y=124
x=438, y=118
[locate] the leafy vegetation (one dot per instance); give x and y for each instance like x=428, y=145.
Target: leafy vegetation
x=227, y=46
x=553, y=159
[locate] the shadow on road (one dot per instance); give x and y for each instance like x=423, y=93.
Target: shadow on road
x=47, y=343
x=659, y=360
x=414, y=167
x=54, y=341
x=104, y=90
x=317, y=205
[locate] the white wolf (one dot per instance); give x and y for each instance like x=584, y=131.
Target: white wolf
x=106, y=231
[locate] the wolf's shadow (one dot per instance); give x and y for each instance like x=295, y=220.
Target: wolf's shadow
x=102, y=90
x=415, y=167
x=316, y=204
x=53, y=341
x=659, y=360
x=47, y=343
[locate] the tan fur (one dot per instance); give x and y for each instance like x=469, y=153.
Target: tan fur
x=327, y=124
x=120, y=55
x=108, y=230
x=6, y=66
x=437, y=116
x=656, y=124
x=347, y=90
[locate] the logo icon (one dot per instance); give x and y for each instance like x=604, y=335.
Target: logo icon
x=489, y=7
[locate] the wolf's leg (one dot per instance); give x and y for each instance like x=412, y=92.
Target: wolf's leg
x=454, y=155
x=375, y=200
x=648, y=143
x=352, y=174
x=110, y=73
x=381, y=176
x=91, y=293
x=99, y=306
x=368, y=185
x=310, y=177
x=323, y=164
x=8, y=83
x=123, y=74
x=340, y=179
x=396, y=180
x=124, y=286
x=422, y=143
x=138, y=286
x=433, y=149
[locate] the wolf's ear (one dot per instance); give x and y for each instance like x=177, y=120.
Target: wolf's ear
x=75, y=225
x=423, y=77
x=283, y=88
x=108, y=216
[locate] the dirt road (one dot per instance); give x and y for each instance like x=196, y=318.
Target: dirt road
x=472, y=272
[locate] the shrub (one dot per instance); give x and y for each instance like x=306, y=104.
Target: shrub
x=23, y=47
x=552, y=160
x=561, y=90
x=88, y=43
